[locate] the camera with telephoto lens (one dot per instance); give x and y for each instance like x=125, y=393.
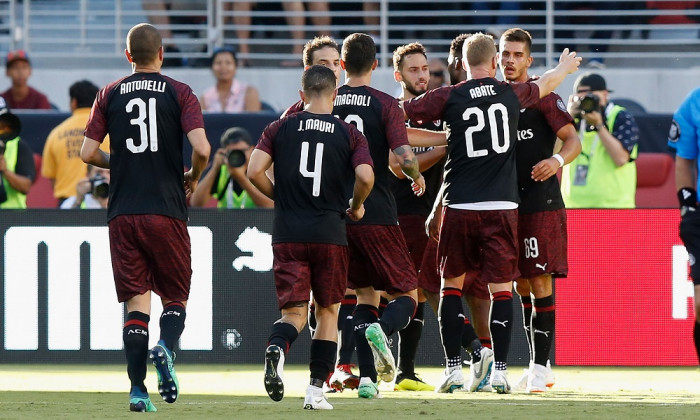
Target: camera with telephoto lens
x=100, y=186
x=235, y=158
x=589, y=103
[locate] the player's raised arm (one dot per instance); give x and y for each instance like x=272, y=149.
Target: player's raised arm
x=419, y=137
x=409, y=166
x=568, y=63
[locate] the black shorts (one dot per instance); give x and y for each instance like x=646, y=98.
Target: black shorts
x=690, y=234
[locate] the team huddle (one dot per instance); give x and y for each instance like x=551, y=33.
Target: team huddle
x=381, y=205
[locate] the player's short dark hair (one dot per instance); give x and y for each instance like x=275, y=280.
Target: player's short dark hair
x=409, y=49
x=318, y=43
x=457, y=44
x=224, y=50
x=518, y=35
x=358, y=53
x=143, y=42
x=479, y=49
x=318, y=80
x=83, y=92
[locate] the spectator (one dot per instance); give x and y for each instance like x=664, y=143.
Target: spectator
x=294, y=14
x=679, y=19
x=20, y=95
x=61, y=162
x=17, y=169
x=226, y=179
x=229, y=94
x=604, y=174
x=158, y=14
x=438, y=70
x=91, y=192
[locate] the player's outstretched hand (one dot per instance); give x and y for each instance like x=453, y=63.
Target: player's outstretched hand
x=355, y=215
x=544, y=169
x=418, y=186
x=190, y=184
x=569, y=60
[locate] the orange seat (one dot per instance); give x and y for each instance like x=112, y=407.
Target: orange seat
x=656, y=181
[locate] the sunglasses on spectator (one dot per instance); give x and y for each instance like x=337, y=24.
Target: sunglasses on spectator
x=438, y=73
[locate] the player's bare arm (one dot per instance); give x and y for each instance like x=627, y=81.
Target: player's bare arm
x=571, y=147
x=200, y=158
x=434, y=220
x=202, y=194
x=425, y=161
x=419, y=137
x=259, y=162
x=364, y=181
x=568, y=63
x=90, y=153
x=409, y=166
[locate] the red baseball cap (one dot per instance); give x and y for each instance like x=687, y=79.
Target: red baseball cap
x=13, y=56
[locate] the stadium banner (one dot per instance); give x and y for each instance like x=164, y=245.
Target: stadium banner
x=628, y=285
x=59, y=305
x=628, y=300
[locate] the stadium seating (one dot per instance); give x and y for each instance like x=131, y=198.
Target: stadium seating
x=656, y=181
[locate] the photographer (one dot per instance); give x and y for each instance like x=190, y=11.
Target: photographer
x=91, y=192
x=226, y=179
x=604, y=174
x=17, y=169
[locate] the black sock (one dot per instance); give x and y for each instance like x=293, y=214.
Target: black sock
x=696, y=338
x=346, y=327
x=312, y=319
x=321, y=360
x=543, y=328
x=282, y=335
x=398, y=314
x=451, y=324
x=135, y=336
x=501, y=324
x=526, y=304
x=363, y=316
x=408, y=342
x=468, y=337
x=172, y=323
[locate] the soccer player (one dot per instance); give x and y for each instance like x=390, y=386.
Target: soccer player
x=314, y=155
x=454, y=60
x=323, y=50
x=379, y=259
x=541, y=214
x=146, y=115
x=411, y=70
x=480, y=196
x=684, y=137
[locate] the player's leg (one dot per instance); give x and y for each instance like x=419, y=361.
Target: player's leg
x=135, y=336
x=322, y=356
x=342, y=376
x=451, y=313
x=409, y=338
x=365, y=315
x=130, y=268
x=542, y=331
x=477, y=297
x=501, y=326
x=522, y=287
x=293, y=287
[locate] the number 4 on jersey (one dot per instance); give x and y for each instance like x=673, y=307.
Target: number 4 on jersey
x=318, y=163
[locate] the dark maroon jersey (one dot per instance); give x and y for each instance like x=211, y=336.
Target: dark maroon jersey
x=481, y=117
x=314, y=156
x=406, y=201
x=537, y=130
x=145, y=115
x=378, y=116
x=297, y=107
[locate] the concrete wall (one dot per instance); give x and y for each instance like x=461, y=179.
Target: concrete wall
x=659, y=91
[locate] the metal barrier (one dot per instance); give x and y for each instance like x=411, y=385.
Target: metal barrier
x=267, y=33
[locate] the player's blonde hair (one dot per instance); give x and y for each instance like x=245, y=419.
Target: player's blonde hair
x=479, y=49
